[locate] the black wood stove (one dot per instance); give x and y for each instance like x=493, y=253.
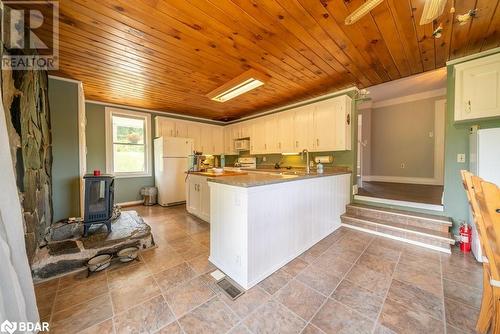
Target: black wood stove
x=99, y=201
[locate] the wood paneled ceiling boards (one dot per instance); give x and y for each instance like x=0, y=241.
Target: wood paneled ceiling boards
x=168, y=55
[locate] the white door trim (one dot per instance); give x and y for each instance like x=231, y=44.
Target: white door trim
x=439, y=124
x=82, y=144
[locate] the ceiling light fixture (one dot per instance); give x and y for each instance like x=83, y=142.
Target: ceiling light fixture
x=243, y=83
x=362, y=11
x=432, y=10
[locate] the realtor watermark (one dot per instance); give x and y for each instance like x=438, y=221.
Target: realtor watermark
x=12, y=327
x=30, y=32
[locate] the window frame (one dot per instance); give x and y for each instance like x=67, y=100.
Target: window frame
x=148, y=158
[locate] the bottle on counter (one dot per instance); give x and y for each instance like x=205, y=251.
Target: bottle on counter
x=222, y=161
x=319, y=168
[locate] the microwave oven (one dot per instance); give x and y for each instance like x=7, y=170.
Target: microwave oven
x=242, y=145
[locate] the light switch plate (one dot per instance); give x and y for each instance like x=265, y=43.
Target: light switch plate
x=461, y=157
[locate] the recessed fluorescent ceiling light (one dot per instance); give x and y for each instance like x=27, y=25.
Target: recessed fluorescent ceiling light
x=432, y=10
x=243, y=83
x=290, y=153
x=242, y=88
x=362, y=11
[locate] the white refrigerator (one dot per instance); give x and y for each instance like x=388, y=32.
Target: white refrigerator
x=171, y=163
x=484, y=161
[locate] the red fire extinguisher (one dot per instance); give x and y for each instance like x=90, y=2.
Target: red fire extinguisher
x=465, y=237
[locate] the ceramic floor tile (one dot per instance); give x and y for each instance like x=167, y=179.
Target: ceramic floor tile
x=319, y=280
x=399, y=319
x=379, y=329
x=45, y=296
x=201, y=265
x=174, y=276
x=300, y=299
x=240, y=329
x=202, y=238
x=462, y=293
x=276, y=281
x=211, y=317
x=173, y=328
x=312, y=253
x=188, y=295
x=335, y=317
x=273, y=318
x=460, y=315
x=82, y=316
x=311, y=329
x=126, y=274
x=382, y=249
x=79, y=277
x=362, y=300
x=369, y=279
x=249, y=301
x=295, y=266
x=332, y=264
x=105, y=327
x=457, y=274
x=418, y=277
x=347, y=255
x=377, y=263
x=80, y=293
x=417, y=299
x=161, y=259
x=147, y=317
x=135, y=293
x=453, y=330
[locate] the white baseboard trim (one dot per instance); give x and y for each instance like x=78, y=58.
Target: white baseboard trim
x=131, y=203
x=416, y=205
x=402, y=179
x=413, y=242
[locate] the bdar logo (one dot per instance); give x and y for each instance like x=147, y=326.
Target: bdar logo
x=8, y=327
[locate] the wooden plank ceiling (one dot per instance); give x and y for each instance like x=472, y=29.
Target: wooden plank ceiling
x=168, y=54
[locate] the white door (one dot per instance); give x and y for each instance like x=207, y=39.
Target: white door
x=302, y=126
x=285, y=132
x=204, y=191
x=193, y=201
x=181, y=129
x=324, y=126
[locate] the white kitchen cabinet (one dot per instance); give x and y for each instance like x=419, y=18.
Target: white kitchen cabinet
x=194, y=132
x=198, y=197
x=285, y=135
x=229, y=140
x=477, y=88
x=257, y=138
x=331, y=130
x=206, y=139
x=302, y=127
x=164, y=127
x=181, y=129
x=217, y=140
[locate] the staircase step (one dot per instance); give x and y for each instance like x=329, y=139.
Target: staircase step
x=421, y=220
x=424, y=237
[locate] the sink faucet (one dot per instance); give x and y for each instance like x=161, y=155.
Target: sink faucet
x=308, y=168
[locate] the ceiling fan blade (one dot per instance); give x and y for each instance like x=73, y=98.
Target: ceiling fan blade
x=362, y=11
x=432, y=10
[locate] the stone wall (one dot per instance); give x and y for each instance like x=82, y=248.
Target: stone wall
x=25, y=98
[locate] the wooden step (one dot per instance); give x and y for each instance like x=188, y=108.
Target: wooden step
x=422, y=220
x=424, y=237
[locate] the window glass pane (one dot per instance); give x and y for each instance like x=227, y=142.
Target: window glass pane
x=128, y=130
x=128, y=158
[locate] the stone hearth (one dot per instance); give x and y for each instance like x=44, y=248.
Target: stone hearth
x=67, y=250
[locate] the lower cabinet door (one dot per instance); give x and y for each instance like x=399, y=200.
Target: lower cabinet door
x=193, y=202
x=204, y=201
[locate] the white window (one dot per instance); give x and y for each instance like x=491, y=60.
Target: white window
x=128, y=143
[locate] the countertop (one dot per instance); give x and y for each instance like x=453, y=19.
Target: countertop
x=212, y=174
x=255, y=179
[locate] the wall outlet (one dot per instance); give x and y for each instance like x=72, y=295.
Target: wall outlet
x=403, y=165
x=431, y=134
x=264, y=159
x=461, y=158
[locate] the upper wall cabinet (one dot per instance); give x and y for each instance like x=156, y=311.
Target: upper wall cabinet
x=332, y=125
x=477, y=88
x=207, y=138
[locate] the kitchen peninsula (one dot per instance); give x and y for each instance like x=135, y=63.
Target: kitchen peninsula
x=261, y=221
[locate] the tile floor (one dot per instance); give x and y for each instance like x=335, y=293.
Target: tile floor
x=350, y=282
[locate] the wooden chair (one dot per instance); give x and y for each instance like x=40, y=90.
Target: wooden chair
x=486, y=312
x=484, y=198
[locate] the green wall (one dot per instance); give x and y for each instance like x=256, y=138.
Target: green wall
x=126, y=189
x=63, y=100
x=457, y=141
